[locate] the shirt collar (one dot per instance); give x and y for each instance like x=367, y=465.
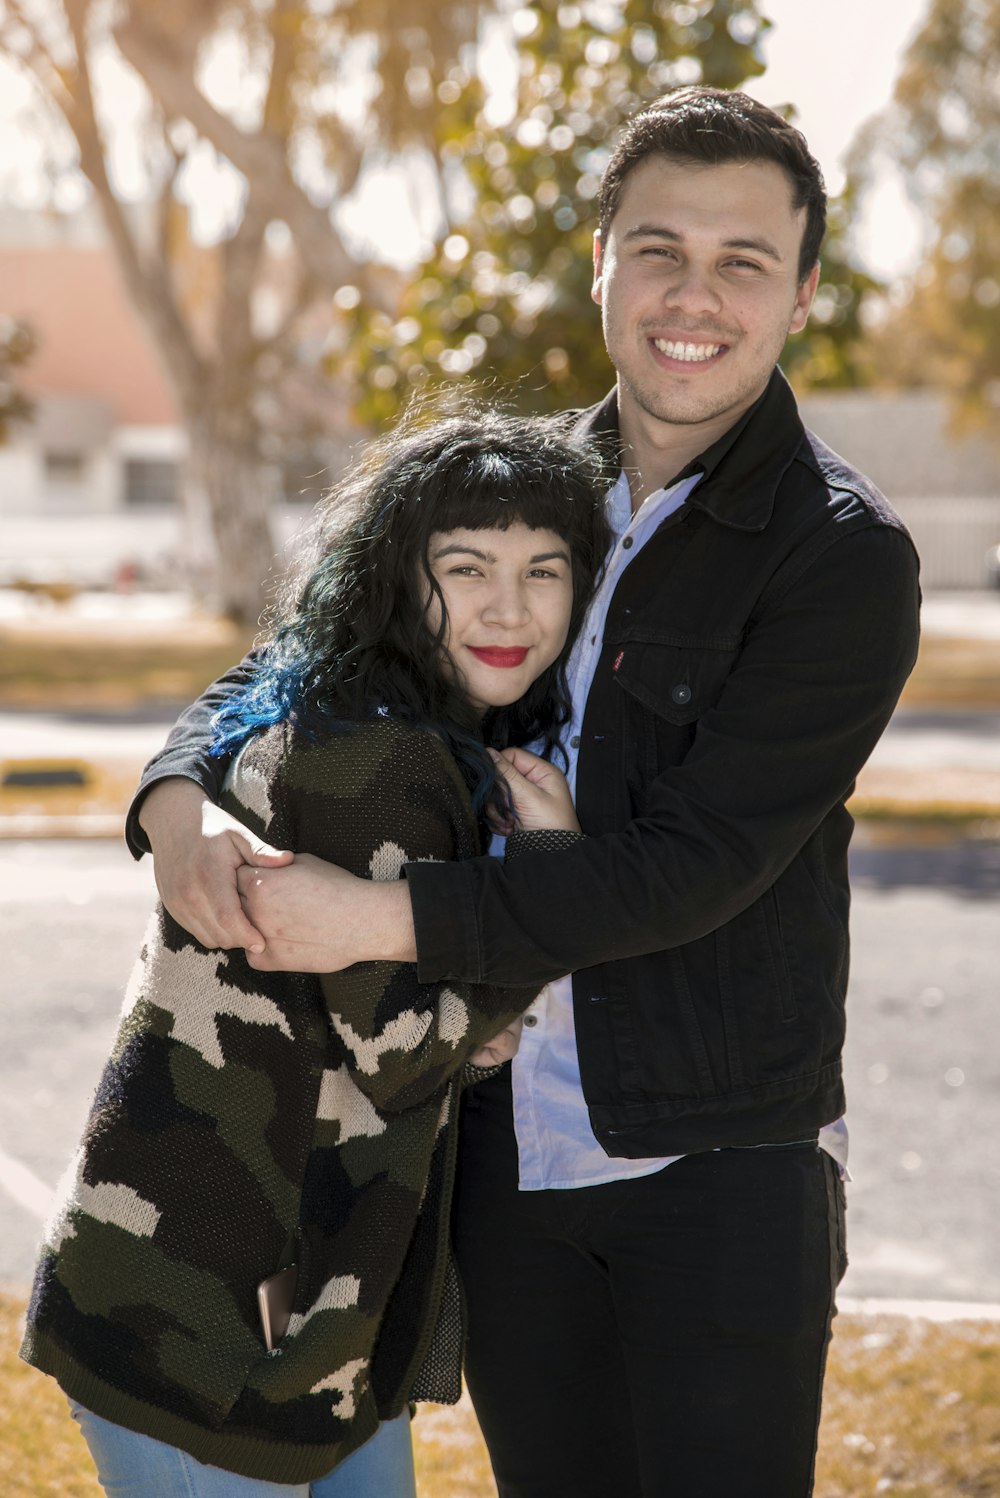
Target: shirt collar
x=741, y=469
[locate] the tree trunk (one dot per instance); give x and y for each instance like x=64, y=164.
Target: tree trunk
x=237, y=495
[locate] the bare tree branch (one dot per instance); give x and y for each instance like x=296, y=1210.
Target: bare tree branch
x=260, y=157
x=38, y=60
x=147, y=281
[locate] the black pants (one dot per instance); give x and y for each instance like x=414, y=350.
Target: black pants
x=663, y=1337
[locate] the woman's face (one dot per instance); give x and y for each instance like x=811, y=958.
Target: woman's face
x=508, y=596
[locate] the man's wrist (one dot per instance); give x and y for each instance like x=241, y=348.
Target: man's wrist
x=389, y=934
x=166, y=793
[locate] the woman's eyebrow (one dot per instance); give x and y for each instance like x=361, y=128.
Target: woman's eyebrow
x=455, y=549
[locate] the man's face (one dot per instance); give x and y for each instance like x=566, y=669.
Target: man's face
x=699, y=287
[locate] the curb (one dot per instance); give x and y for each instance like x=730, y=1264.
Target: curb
x=920, y=1310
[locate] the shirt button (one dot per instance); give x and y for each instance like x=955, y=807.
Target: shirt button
x=531, y=1019
x=627, y=542
x=681, y=694
x=574, y=742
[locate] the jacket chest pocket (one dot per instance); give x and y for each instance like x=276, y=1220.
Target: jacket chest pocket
x=668, y=688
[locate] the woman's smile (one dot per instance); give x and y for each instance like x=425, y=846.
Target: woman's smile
x=503, y=656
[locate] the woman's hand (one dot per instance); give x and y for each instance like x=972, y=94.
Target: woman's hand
x=539, y=794
x=501, y=1048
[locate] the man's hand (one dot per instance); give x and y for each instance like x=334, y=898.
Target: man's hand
x=317, y=918
x=538, y=792
x=197, y=850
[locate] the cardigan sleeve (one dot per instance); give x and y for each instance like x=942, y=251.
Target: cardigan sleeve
x=382, y=797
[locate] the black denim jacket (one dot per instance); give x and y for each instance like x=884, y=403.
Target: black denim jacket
x=752, y=656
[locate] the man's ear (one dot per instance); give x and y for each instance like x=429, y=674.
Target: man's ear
x=804, y=297
x=596, y=289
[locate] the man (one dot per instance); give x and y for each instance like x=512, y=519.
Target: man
x=648, y=1231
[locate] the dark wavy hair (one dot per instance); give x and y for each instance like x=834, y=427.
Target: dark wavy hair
x=352, y=639
x=711, y=127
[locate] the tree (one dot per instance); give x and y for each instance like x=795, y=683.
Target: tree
x=296, y=155
x=17, y=344
x=942, y=129
x=506, y=294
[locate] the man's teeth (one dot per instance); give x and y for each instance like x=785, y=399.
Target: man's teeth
x=687, y=351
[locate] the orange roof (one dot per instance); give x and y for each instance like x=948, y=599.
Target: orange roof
x=91, y=342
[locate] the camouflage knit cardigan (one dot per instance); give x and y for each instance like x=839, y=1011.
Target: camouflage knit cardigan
x=249, y=1120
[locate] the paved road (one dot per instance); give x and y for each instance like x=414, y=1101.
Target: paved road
x=923, y=1063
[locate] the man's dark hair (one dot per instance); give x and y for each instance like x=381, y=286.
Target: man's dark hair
x=712, y=126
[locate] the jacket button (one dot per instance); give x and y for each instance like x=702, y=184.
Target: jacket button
x=574, y=742
x=681, y=694
x=531, y=1020
x=627, y=543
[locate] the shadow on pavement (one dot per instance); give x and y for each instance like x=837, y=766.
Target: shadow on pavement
x=895, y=855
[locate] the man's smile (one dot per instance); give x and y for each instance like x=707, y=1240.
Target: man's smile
x=687, y=352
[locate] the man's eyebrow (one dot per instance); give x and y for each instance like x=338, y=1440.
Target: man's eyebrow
x=658, y=231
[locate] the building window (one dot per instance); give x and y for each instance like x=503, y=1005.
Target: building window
x=65, y=468
x=151, y=481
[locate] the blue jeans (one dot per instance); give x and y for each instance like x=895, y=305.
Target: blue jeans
x=135, y=1466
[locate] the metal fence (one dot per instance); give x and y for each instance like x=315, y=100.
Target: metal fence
x=957, y=539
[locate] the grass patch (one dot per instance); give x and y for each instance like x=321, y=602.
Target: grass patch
x=912, y=1410
x=955, y=673
x=79, y=667
x=57, y=661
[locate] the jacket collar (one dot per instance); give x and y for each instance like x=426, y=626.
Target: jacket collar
x=742, y=469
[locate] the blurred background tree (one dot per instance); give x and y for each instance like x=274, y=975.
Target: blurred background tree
x=942, y=129
x=292, y=99
x=17, y=344
x=505, y=296
x=496, y=119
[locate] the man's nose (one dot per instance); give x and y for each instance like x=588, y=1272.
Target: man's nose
x=693, y=290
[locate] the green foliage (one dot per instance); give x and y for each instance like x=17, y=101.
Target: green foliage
x=943, y=128
x=17, y=345
x=506, y=296
x=834, y=349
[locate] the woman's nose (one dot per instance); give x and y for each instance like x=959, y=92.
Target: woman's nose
x=506, y=605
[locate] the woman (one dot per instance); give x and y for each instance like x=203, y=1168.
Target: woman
x=291, y=1135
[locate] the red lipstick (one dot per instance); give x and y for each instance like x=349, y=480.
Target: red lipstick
x=504, y=656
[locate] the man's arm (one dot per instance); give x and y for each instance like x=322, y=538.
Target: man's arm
x=197, y=848
x=186, y=753
x=806, y=703
x=808, y=699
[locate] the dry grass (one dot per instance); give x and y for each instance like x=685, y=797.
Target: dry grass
x=54, y=660
x=912, y=1410
x=61, y=664
x=955, y=673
